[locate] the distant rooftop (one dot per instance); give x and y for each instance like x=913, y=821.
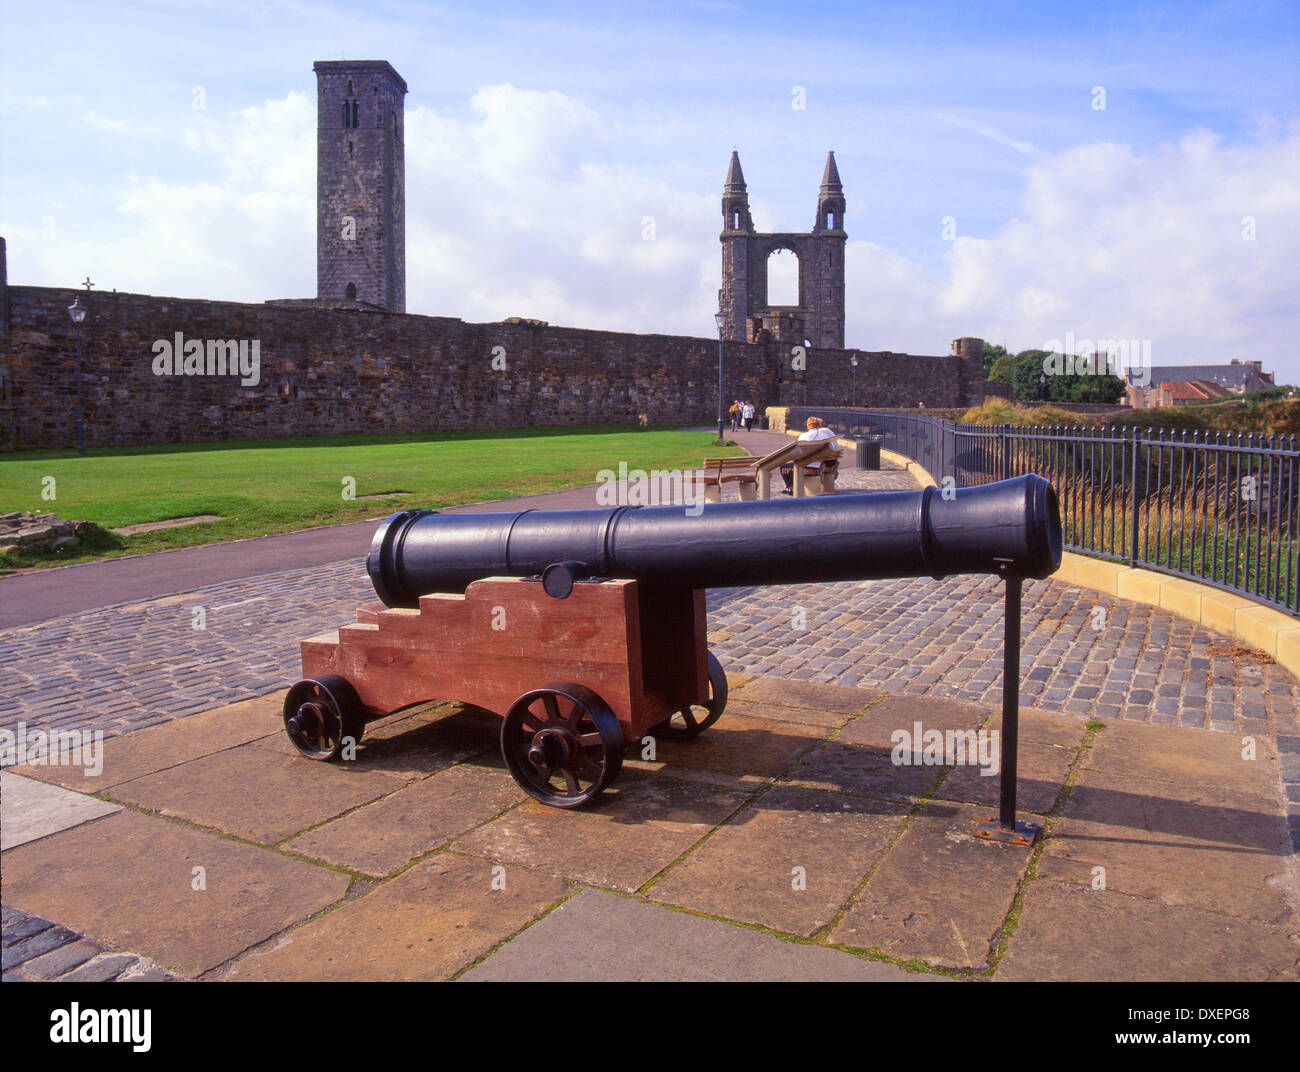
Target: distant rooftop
x=1236, y=377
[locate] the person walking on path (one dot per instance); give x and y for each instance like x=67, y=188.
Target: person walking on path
x=735, y=411
x=749, y=416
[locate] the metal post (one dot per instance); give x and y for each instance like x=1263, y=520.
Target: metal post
x=720, y=433
x=1005, y=828
x=77, y=313
x=81, y=447
x=1133, y=504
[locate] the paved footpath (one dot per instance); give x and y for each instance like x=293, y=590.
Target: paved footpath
x=135, y=665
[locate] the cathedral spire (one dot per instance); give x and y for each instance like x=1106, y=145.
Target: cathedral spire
x=735, y=177
x=831, y=176
x=830, y=200
x=735, y=199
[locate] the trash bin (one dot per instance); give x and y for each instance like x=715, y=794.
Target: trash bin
x=762, y=421
x=865, y=452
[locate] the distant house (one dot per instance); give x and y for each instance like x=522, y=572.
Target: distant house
x=1178, y=385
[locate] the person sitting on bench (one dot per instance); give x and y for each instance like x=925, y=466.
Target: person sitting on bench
x=816, y=430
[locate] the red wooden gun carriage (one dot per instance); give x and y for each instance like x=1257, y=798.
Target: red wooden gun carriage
x=585, y=629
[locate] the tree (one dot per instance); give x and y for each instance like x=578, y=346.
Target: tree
x=1003, y=369
x=1029, y=367
x=1068, y=379
x=992, y=352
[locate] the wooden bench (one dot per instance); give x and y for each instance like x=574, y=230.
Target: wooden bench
x=754, y=475
x=720, y=471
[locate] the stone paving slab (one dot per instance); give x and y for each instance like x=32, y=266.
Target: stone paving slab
x=173, y=743
x=941, y=895
x=601, y=937
x=1180, y=844
x=1203, y=759
x=1046, y=727
x=878, y=725
x=30, y=810
x=1269, y=903
x=415, y=743
x=127, y=880
x=427, y=924
x=804, y=716
x=636, y=829
x=847, y=768
x=820, y=697
x=789, y=861
x=378, y=839
x=274, y=796
x=1041, y=772
x=737, y=751
x=1068, y=933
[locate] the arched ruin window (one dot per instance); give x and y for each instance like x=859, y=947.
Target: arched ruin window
x=352, y=292
x=782, y=277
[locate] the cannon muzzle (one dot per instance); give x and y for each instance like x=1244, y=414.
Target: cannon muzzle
x=1013, y=524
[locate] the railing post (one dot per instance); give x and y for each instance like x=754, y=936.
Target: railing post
x=1133, y=501
x=1006, y=452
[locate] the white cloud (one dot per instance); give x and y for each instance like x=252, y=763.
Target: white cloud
x=244, y=231
x=519, y=211
x=1113, y=244
x=525, y=206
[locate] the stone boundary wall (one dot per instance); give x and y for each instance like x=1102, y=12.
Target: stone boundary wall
x=883, y=380
x=326, y=371
x=349, y=370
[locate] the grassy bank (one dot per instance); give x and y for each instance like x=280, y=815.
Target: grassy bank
x=259, y=487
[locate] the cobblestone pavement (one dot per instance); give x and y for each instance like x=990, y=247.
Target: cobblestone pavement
x=36, y=950
x=122, y=668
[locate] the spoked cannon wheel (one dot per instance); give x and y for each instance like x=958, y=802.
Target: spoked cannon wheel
x=688, y=723
x=320, y=714
x=562, y=744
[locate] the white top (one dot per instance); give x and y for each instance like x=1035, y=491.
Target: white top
x=815, y=434
x=747, y=412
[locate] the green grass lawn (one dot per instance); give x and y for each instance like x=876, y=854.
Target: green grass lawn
x=264, y=486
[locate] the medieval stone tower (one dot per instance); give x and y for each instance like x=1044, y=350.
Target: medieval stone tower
x=360, y=183
x=743, y=299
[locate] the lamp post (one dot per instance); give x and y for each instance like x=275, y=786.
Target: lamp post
x=853, y=361
x=720, y=318
x=78, y=313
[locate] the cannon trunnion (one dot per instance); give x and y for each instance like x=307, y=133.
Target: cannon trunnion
x=585, y=629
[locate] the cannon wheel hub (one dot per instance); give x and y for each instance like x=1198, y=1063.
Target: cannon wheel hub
x=321, y=714
x=562, y=744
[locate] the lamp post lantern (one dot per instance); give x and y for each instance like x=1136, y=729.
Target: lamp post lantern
x=78, y=313
x=720, y=318
x=853, y=362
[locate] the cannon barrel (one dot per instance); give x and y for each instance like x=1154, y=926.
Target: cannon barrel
x=784, y=541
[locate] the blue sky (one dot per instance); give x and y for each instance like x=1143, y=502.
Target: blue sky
x=541, y=137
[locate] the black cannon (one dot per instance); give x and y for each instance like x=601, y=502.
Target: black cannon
x=783, y=541
x=614, y=597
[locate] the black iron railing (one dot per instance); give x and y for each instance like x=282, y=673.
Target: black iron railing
x=1214, y=507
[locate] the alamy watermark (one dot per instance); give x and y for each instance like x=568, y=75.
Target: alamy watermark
x=946, y=748
x=658, y=487
x=209, y=357
x=1104, y=357
x=53, y=748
